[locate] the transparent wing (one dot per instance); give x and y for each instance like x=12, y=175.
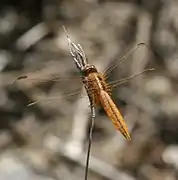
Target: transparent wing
x=125, y=80
x=122, y=59
x=52, y=99
x=44, y=79
x=30, y=81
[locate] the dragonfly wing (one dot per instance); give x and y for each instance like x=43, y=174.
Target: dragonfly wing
x=125, y=80
x=52, y=99
x=123, y=58
x=30, y=81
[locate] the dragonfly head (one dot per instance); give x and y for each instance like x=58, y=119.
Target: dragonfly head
x=89, y=69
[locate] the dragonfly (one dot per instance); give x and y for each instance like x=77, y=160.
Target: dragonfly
x=96, y=85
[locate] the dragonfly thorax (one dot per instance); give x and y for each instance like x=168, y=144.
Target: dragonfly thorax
x=89, y=69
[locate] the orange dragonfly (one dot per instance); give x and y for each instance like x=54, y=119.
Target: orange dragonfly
x=98, y=90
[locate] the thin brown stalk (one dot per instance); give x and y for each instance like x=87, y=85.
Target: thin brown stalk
x=80, y=60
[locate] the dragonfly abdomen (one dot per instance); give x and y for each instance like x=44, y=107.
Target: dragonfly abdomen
x=98, y=91
x=114, y=114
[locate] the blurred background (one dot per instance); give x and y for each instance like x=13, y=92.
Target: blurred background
x=48, y=141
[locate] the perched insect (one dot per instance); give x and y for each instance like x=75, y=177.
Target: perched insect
x=97, y=87
x=100, y=92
